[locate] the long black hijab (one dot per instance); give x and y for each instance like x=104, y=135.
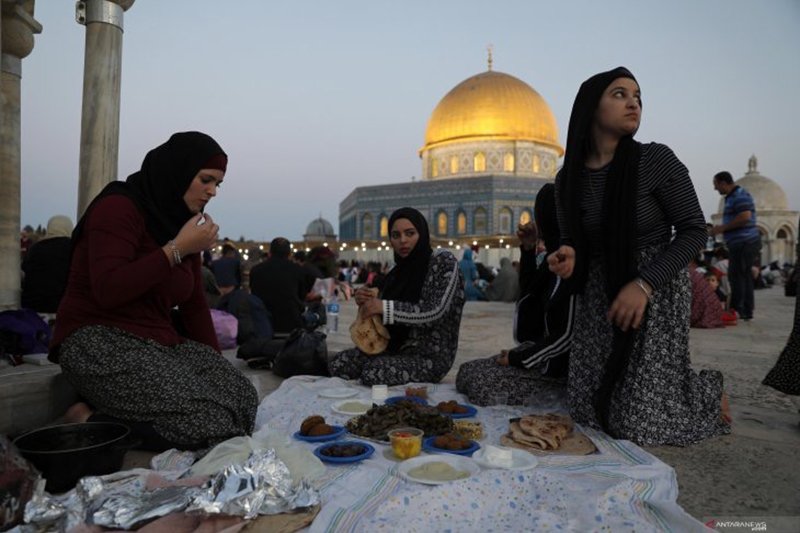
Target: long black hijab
x=619, y=218
x=404, y=282
x=158, y=187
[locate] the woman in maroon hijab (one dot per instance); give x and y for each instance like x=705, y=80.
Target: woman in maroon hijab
x=135, y=259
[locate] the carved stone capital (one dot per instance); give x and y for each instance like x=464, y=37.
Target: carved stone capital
x=19, y=27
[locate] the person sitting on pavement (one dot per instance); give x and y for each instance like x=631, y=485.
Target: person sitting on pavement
x=46, y=267
x=472, y=280
x=136, y=258
x=544, y=321
x=282, y=285
x=505, y=286
x=420, y=303
x=706, y=311
x=227, y=270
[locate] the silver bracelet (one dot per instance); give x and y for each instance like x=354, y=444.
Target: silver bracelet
x=647, y=293
x=176, y=254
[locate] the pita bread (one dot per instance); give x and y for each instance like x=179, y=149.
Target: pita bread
x=545, y=434
x=370, y=335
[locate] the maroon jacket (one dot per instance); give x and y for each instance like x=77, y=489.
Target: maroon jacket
x=120, y=277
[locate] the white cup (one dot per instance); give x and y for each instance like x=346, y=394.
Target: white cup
x=380, y=393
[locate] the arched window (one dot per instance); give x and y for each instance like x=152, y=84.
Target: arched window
x=461, y=223
x=366, y=226
x=781, y=234
x=441, y=223
x=479, y=221
x=384, y=226
x=434, y=167
x=505, y=221
x=453, y=164
x=536, y=163
x=480, y=162
x=508, y=162
x=525, y=216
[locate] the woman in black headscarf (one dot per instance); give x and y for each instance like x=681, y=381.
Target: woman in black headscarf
x=535, y=370
x=420, y=304
x=136, y=257
x=619, y=202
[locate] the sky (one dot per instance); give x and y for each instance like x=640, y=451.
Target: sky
x=311, y=99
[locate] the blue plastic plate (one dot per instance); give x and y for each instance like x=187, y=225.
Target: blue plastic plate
x=368, y=450
x=427, y=445
x=338, y=431
x=471, y=411
x=416, y=399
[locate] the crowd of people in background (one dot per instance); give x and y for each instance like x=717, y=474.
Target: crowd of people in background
x=141, y=286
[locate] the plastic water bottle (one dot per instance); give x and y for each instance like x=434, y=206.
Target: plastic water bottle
x=333, y=312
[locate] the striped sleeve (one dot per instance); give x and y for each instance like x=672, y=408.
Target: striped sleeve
x=440, y=286
x=556, y=343
x=675, y=195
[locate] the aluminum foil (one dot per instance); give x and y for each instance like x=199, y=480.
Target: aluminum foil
x=260, y=486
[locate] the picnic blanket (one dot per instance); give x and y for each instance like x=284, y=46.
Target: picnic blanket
x=619, y=488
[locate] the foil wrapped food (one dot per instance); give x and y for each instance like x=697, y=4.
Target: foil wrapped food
x=261, y=486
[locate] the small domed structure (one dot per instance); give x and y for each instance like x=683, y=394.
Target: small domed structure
x=320, y=230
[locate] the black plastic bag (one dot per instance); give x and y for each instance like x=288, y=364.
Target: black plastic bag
x=304, y=352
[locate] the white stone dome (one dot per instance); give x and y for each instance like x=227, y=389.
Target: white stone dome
x=319, y=227
x=767, y=195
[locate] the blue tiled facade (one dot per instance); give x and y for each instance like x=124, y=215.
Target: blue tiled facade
x=494, y=194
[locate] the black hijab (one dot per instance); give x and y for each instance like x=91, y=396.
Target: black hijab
x=158, y=187
x=619, y=219
x=544, y=214
x=404, y=282
x=619, y=198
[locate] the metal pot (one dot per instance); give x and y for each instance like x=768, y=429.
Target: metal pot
x=67, y=452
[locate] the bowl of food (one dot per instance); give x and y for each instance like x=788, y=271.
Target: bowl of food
x=406, y=442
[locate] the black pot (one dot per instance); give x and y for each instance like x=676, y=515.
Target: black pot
x=67, y=452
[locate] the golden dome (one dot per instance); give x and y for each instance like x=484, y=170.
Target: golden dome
x=492, y=105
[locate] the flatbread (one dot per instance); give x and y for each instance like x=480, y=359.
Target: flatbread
x=550, y=433
x=551, y=428
x=576, y=444
x=369, y=335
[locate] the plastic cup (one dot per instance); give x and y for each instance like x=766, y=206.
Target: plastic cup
x=406, y=442
x=499, y=398
x=379, y=393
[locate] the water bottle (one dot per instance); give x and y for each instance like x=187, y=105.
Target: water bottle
x=333, y=312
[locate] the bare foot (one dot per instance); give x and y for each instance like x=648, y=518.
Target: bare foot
x=78, y=413
x=725, y=409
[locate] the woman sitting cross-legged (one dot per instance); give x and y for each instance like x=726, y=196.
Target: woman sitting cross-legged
x=420, y=303
x=537, y=368
x=136, y=257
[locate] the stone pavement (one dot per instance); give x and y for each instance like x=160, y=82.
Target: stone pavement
x=755, y=471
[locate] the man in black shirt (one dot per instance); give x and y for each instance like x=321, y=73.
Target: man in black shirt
x=282, y=285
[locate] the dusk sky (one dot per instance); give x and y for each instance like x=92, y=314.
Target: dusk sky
x=312, y=99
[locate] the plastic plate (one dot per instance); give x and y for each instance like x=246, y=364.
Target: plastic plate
x=337, y=407
x=368, y=450
x=456, y=461
x=338, y=392
x=416, y=399
x=520, y=460
x=338, y=431
x=471, y=411
x=427, y=445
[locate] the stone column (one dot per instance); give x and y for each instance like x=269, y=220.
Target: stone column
x=18, y=27
x=102, y=72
